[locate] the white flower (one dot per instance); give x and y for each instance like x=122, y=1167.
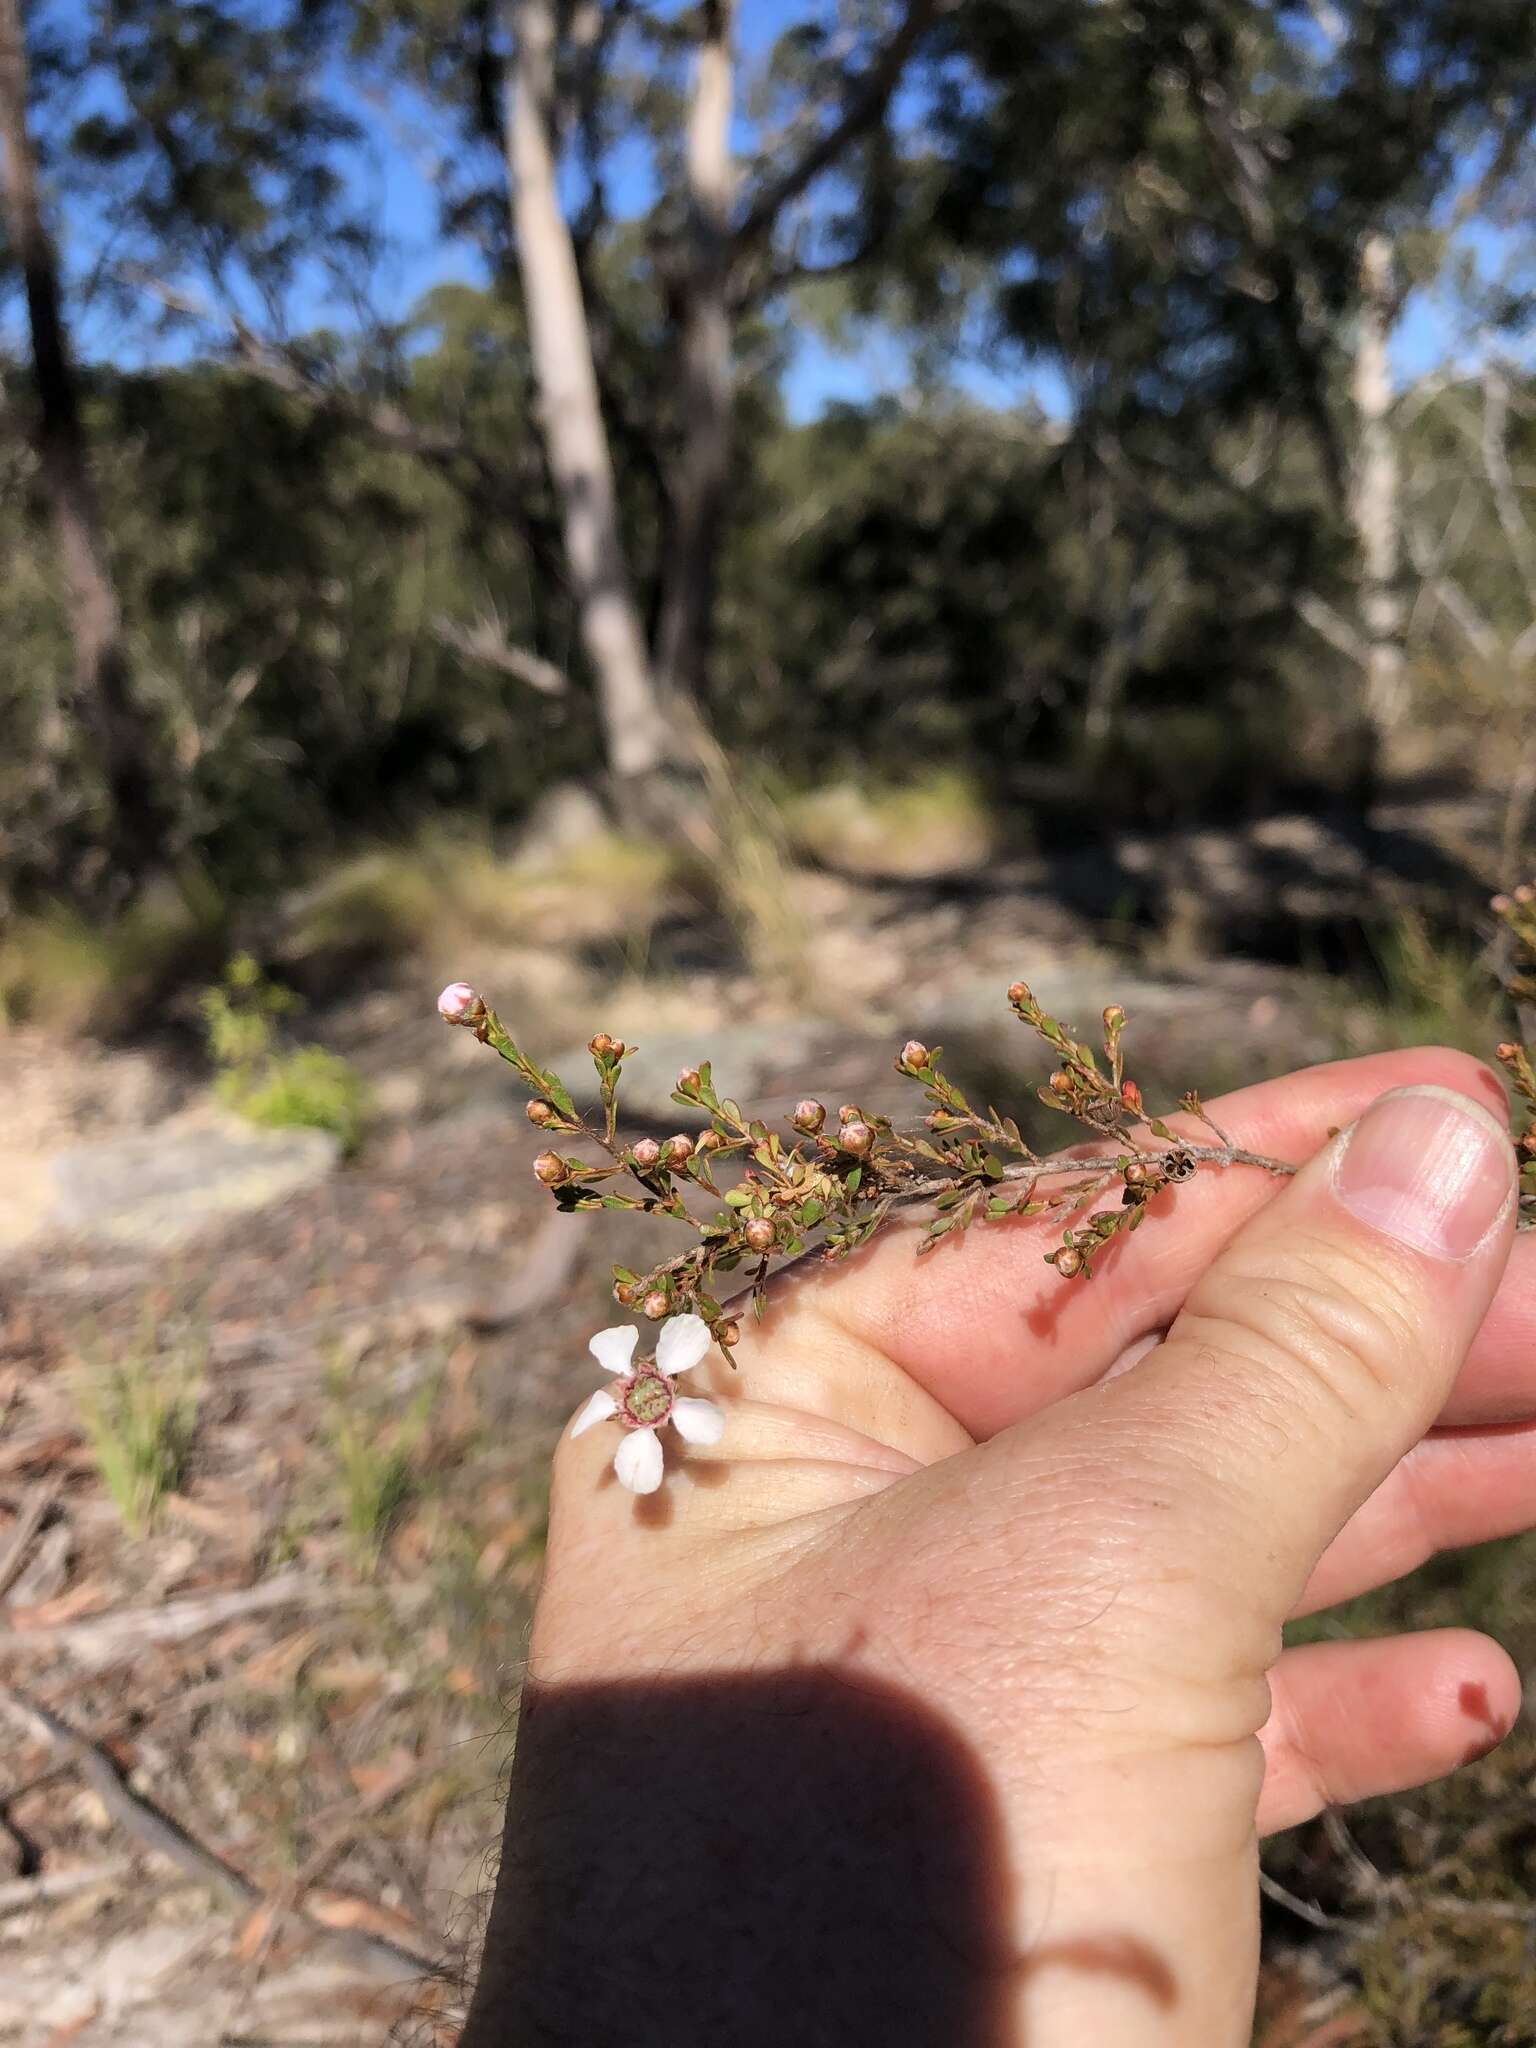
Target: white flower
x=643, y=1397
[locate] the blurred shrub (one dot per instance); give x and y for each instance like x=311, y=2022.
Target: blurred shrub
x=73, y=973
x=304, y=1087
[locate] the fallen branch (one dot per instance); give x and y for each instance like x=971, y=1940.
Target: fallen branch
x=269, y=1917
x=25, y=1892
x=166, y=1838
x=106, y=1638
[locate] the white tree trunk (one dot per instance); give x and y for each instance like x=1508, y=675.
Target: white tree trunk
x=637, y=734
x=703, y=471
x=1376, y=498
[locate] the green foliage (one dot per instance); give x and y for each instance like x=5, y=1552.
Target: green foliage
x=305, y=1087
x=139, y=1413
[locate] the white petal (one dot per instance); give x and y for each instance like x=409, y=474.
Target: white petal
x=637, y=1462
x=601, y=1406
x=613, y=1349
x=698, y=1422
x=682, y=1343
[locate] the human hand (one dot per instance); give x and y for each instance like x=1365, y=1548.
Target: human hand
x=944, y=1700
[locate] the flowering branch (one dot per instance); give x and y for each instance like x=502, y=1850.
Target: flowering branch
x=1516, y=914
x=836, y=1182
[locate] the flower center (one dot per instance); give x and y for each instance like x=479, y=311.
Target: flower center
x=646, y=1400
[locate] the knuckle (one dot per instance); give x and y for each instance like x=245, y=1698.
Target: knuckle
x=1348, y=1326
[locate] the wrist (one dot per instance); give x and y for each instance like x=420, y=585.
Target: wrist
x=815, y=1854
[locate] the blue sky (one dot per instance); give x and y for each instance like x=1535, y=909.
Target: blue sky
x=390, y=173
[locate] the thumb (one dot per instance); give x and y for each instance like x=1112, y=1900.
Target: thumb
x=1321, y=1344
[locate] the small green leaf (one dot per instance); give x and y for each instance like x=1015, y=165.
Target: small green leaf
x=1160, y=1130
x=812, y=1212
x=853, y=1180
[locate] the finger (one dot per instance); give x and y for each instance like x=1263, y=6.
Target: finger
x=1351, y=1720
x=1455, y=1488
x=1498, y=1381
x=992, y=1332
x=1321, y=1343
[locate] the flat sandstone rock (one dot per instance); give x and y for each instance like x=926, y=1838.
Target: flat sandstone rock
x=160, y=1189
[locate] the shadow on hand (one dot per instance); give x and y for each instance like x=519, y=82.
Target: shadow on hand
x=804, y=1857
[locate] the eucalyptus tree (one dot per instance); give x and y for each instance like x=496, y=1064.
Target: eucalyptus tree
x=638, y=289
x=157, y=154
x=1205, y=215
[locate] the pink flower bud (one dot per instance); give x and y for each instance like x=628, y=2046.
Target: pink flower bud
x=677, y=1152
x=913, y=1054
x=549, y=1167
x=655, y=1305
x=1525, y=893
x=540, y=1113
x=1018, y=994
x=728, y=1331
x=1130, y=1095
x=809, y=1117
x=689, y=1081
x=1068, y=1261
x=1114, y=1017
x=856, y=1137
x=460, y=1004
x=1500, y=904
x=647, y=1154
x=600, y=1045
x=624, y=1294
x=759, y=1234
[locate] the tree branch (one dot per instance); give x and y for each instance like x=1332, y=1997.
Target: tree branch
x=864, y=102
x=484, y=641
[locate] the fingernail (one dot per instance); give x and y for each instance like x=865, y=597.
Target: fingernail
x=1428, y=1167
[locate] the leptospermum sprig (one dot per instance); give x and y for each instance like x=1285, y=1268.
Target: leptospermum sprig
x=1515, y=955
x=751, y=1194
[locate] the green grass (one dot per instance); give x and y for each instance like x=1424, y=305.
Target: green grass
x=1434, y=991
x=139, y=1412
x=932, y=823
x=443, y=895
x=376, y=1465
